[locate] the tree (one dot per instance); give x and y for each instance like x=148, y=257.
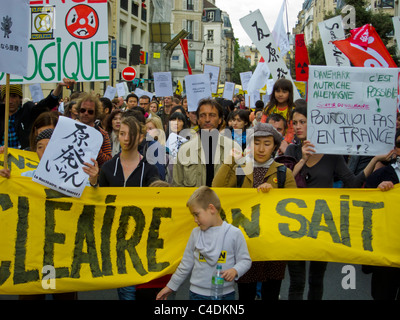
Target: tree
x=240, y=65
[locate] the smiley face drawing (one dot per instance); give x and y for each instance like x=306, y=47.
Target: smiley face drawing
x=82, y=22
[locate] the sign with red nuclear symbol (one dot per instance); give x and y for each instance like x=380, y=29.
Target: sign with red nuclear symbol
x=82, y=22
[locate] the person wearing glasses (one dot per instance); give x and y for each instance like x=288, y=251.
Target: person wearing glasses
x=89, y=108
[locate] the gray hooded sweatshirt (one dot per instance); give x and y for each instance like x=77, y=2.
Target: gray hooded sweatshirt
x=224, y=245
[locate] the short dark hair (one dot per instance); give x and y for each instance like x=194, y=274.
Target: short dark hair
x=276, y=117
x=131, y=95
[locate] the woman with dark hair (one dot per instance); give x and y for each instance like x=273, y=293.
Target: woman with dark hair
x=240, y=123
x=46, y=120
x=113, y=125
x=319, y=171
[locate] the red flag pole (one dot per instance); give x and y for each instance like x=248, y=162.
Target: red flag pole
x=185, y=51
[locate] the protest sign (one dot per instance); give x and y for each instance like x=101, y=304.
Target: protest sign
x=14, y=37
x=352, y=110
x=173, y=143
x=258, y=31
x=197, y=87
x=245, y=79
x=36, y=92
x=214, y=72
x=115, y=237
x=331, y=30
x=110, y=92
x=140, y=92
x=67, y=39
x=229, y=90
x=71, y=144
x=163, y=84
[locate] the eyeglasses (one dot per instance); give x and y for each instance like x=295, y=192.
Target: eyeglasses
x=83, y=110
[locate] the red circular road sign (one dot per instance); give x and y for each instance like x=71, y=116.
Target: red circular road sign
x=129, y=73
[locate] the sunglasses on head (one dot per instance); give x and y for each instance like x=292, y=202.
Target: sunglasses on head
x=83, y=110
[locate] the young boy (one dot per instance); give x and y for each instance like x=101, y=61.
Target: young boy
x=213, y=241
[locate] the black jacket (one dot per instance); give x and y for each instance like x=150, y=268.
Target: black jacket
x=26, y=116
x=112, y=175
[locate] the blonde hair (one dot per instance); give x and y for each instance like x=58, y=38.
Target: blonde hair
x=159, y=127
x=203, y=197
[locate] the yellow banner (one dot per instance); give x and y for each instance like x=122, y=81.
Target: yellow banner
x=114, y=237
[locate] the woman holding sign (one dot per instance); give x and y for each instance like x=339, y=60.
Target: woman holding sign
x=128, y=169
x=319, y=171
x=265, y=175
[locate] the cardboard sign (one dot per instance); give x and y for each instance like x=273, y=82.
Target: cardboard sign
x=331, y=30
x=258, y=31
x=352, y=110
x=197, y=87
x=71, y=144
x=163, y=84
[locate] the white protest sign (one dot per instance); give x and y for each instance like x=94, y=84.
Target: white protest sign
x=163, y=84
x=229, y=90
x=245, y=79
x=140, y=92
x=110, y=92
x=72, y=143
x=36, y=92
x=121, y=90
x=14, y=37
x=331, y=30
x=66, y=39
x=258, y=31
x=352, y=110
x=197, y=87
x=213, y=71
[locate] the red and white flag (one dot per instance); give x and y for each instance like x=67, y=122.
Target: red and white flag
x=365, y=48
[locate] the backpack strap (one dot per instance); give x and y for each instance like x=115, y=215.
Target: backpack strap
x=281, y=176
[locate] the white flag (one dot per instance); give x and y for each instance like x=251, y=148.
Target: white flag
x=260, y=77
x=14, y=35
x=279, y=33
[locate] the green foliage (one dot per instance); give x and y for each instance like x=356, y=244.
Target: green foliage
x=240, y=65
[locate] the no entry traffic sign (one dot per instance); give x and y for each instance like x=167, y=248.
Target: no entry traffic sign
x=129, y=73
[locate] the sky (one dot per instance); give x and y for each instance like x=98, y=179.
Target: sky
x=237, y=9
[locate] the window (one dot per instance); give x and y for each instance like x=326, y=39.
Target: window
x=124, y=4
x=189, y=28
x=210, y=16
x=135, y=8
x=190, y=4
x=210, y=36
x=210, y=55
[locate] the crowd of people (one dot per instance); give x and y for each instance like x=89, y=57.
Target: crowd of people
x=149, y=141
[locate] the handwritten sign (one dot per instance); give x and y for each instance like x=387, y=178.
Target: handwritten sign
x=331, y=30
x=259, y=33
x=71, y=144
x=66, y=39
x=14, y=39
x=163, y=84
x=197, y=87
x=352, y=110
x=214, y=72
